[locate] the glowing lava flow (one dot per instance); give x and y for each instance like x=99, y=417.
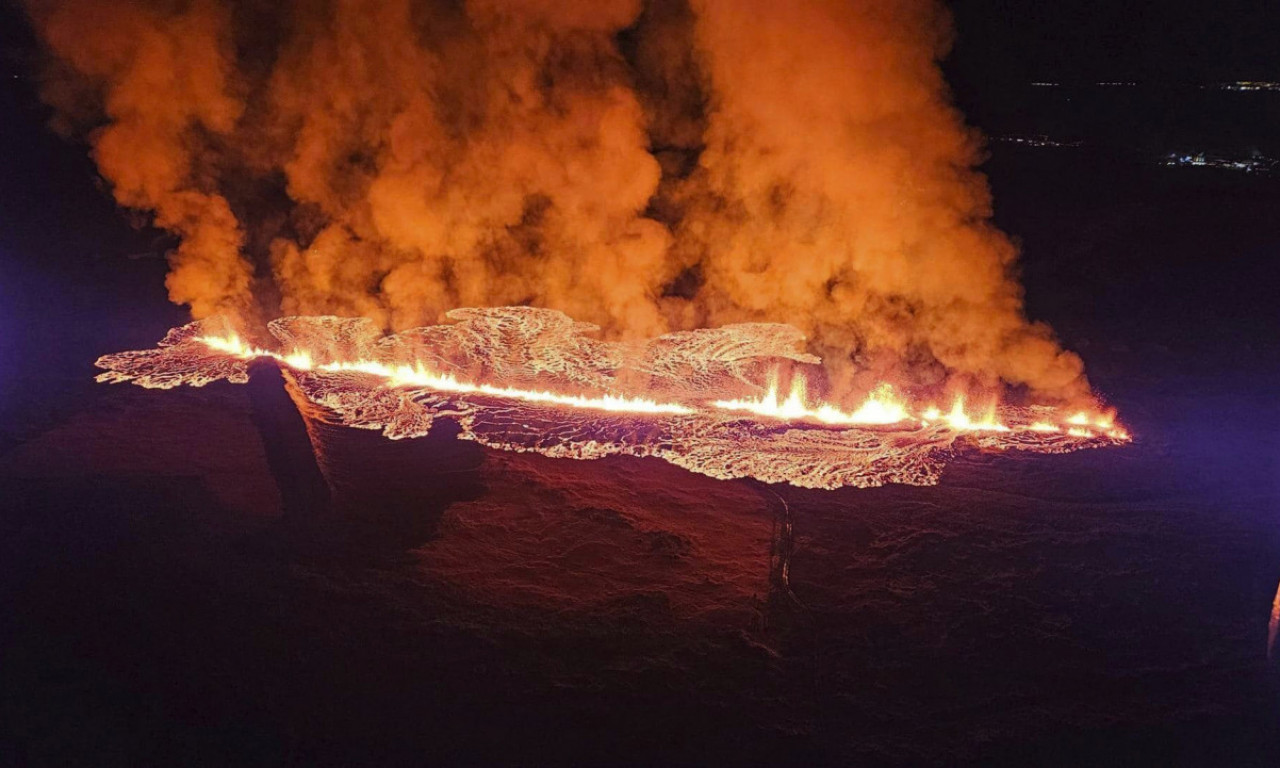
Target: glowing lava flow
x=882, y=406
x=678, y=397
x=419, y=376
x=958, y=418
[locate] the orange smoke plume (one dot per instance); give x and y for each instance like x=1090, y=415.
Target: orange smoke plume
x=157, y=80
x=641, y=166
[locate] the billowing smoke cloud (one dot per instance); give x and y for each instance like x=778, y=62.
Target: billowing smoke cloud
x=642, y=166
x=836, y=191
x=159, y=80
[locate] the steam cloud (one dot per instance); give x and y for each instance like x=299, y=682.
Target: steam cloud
x=644, y=166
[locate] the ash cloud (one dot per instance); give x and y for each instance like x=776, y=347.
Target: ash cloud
x=645, y=166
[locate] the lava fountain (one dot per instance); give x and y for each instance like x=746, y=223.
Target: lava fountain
x=526, y=379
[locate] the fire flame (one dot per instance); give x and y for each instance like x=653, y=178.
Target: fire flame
x=883, y=406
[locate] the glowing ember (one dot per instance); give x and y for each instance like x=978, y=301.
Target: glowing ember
x=529, y=379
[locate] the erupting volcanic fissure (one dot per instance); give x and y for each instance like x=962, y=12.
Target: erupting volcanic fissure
x=646, y=167
x=525, y=379
x=643, y=166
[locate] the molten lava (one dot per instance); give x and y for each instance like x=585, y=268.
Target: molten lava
x=882, y=406
x=531, y=379
x=417, y=375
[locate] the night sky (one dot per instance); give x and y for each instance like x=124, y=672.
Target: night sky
x=1087, y=41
